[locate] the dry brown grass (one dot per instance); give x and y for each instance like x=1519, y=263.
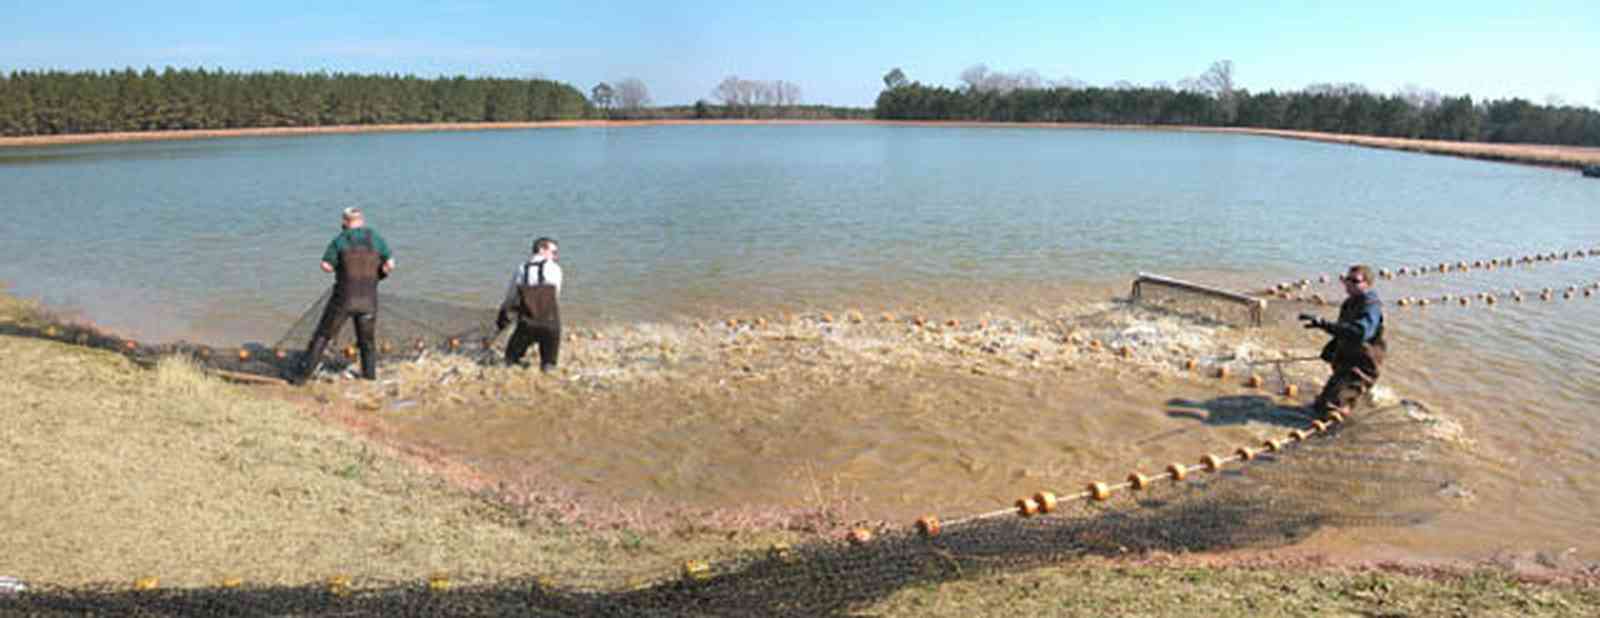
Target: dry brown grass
x=115, y=472
x=1531, y=154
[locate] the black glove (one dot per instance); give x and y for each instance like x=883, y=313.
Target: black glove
x=1313, y=321
x=501, y=321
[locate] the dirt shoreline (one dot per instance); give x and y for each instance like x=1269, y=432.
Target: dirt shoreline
x=1574, y=157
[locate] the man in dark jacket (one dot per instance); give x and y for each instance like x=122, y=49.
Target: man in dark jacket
x=358, y=257
x=1357, y=348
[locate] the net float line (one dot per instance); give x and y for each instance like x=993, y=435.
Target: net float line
x=1285, y=290
x=1047, y=502
x=1547, y=294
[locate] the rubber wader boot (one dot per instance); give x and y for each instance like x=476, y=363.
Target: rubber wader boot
x=313, y=358
x=369, y=361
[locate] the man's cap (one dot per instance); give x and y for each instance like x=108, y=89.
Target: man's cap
x=352, y=213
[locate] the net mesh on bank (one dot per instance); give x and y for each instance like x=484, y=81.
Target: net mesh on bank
x=1374, y=469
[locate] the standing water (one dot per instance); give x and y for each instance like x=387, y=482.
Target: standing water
x=217, y=241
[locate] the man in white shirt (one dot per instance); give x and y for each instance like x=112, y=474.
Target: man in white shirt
x=532, y=301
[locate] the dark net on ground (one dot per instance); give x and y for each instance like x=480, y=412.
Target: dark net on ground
x=407, y=329
x=406, y=326
x=1373, y=470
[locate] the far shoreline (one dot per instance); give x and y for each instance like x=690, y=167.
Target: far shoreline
x=1546, y=155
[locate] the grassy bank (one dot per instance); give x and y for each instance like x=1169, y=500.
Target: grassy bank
x=115, y=472
x=1528, y=154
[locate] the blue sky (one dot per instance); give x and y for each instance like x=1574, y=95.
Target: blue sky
x=838, y=51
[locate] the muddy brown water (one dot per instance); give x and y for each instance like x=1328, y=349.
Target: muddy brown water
x=896, y=421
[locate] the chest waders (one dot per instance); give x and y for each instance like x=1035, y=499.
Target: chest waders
x=355, y=296
x=538, y=319
x=1355, y=362
x=537, y=304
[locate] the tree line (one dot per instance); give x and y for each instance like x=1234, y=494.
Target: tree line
x=1213, y=100
x=60, y=102
x=737, y=98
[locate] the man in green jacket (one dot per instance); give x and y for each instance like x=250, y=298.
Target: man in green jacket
x=358, y=257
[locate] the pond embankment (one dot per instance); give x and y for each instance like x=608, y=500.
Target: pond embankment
x=1576, y=157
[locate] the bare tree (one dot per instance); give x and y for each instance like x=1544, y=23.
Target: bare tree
x=1337, y=89
x=1419, y=97
x=632, y=94
x=976, y=77
x=789, y=92
x=1218, y=80
x=1555, y=100
x=736, y=92
x=602, y=95
x=728, y=91
x=1070, y=83
x=1027, y=79
x=979, y=78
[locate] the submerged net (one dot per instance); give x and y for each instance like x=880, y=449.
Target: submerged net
x=1378, y=469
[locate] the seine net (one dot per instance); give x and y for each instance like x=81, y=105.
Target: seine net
x=405, y=325
x=1377, y=469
